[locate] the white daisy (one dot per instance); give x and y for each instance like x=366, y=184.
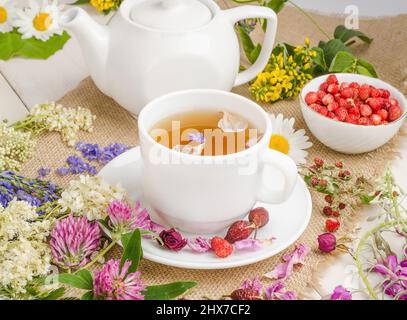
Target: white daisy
x=39, y=20
x=288, y=141
x=7, y=12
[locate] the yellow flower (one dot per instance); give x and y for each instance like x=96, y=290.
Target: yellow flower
x=105, y=5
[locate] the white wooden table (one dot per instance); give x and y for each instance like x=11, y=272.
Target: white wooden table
x=24, y=83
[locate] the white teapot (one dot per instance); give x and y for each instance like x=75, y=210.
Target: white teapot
x=153, y=47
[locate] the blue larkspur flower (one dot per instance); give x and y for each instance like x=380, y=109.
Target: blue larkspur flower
x=89, y=151
x=112, y=151
x=42, y=172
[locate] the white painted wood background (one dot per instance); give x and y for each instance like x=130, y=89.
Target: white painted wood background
x=24, y=83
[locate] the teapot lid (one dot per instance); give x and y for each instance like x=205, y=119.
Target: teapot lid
x=171, y=15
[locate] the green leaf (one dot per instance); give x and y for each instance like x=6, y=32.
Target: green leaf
x=167, y=291
x=254, y=54
x=342, y=62
x=331, y=48
x=87, y=295
x=364, y=67
x=54, y=294
x=249, y=48
x=12, y=45
x=319, y=60
x=76, y=281
x=81, y=2
x=86, y=276
x=132, y=250
x=344, y=34
x=276, y=5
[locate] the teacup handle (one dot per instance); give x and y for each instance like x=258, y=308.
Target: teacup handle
x=287, y=167
x=244, y=12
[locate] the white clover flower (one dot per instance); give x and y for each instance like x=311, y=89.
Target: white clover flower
x=89, y=196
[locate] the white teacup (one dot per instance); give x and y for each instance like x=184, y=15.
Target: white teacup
x=205, y=194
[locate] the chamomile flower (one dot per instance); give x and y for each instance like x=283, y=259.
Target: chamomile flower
x=39, y=20
x=7, y=12
x=288, y=141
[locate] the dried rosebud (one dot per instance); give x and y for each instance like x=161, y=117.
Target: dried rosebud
x=327, y=211
x=323, y=183
x=341, y=206
x=328, y=198
x=326, y=242
x=339, y=164
x=172, y=239
x=314, y=181
x=245, y=294
x=318, y=162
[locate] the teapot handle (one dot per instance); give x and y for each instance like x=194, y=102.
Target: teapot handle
x=244, y=12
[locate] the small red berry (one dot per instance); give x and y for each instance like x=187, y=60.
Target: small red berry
x=364, y=92
x=341, y=113
x=355, y=111
x=324, y=111
x=331, y=115
x=341, y=206
x=365, y=110
x=375, y=119
x=352, y=118
x=332, y=224
x=385, y=93
x=343, y=103
x=383, y=114
x=314, y=181
x=221, y=247
x=239, y=230
x=319, y=162
x=386, y=104
x=336, y=213
x=363, y=121
x=333, y=88
x=374, y=103
x=347, y=93
x=339, y=164
x=343, y=86
x=394, y=102
x=311, y=98
x=328, y=198
x=323, y=183
x=394, y=113
x=321, y=94
x=375, y=93
x=327, y=211
x=332, y=79
x=328, y=99
x=259, y=217
x=324, y=86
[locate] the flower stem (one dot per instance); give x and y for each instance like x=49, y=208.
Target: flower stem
x=310, y=18
x=100, y=254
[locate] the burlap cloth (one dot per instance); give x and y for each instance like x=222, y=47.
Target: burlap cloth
x=388, y=53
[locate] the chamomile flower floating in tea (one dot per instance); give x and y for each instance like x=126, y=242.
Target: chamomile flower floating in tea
x=39, y=20
x=231, y=122
x=288, y=141
x=7, y=11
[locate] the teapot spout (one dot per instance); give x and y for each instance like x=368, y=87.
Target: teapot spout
x=93, y=39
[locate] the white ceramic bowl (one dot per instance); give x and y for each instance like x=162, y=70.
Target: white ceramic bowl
x=345, y=137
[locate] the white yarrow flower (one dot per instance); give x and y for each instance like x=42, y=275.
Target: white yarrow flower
x=288, y=141
x=7, y=12
x=39, y=20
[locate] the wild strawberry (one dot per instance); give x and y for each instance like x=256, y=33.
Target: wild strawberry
x=331, y=115
x=336, y=213
x=355, y=93
x=333, y=106
x=339, y=164
x=354, y=85
x=332, y=79
x=394, y=102
x=328, y=198
x=355, y=111
x=375, y=93
x=385, y=93
x=333, y=88
x=375, y=119
x=344, y=85
x=239, y=230
x=314, y=181
x=341, y=113
x=323, y=183
x=343, y=103
x=386, y=105
x=321, y=94
x=365, y=110
x=324, y=111
x=374, y=103
x=337, y=97
x=385, y=122
x=259, y=217
x=327, y=211
x=347, y=93
x=341, y=206
x=363, y=121
x=316, y=107
x=328, y=99
x=383, y=114
x=394, y=113
x=245, y=294
x=319, y=162
x=352, y=118
x=364, y=92
x=311, y=97
x=324, y=86
x=221, y=247
x=332, y=224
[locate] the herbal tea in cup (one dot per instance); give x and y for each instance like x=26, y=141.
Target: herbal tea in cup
x=206, y=132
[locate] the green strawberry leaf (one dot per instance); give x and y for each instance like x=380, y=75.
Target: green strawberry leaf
x=167, y=291
x=343, y=61
x=365, y=68
x=276, y=5
x=132, y=250
x=344, y=34
x=331, y=48
x=319, y=60
x=12, y=45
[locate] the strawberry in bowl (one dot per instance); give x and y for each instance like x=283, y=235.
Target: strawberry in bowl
x=352, y=113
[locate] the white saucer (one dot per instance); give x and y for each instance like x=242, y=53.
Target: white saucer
x=287, y=221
